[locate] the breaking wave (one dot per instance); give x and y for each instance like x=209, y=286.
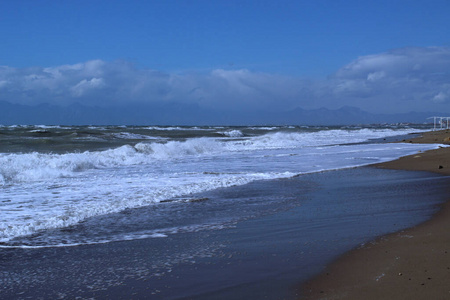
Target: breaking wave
x=23, y=167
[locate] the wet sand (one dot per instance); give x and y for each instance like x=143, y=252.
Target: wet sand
x=410, y=264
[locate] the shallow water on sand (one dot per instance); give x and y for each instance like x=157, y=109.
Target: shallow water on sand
x=299, y=226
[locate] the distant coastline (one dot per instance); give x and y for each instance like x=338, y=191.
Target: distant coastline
x=192, y=115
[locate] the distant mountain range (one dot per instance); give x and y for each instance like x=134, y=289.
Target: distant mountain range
x=185, y=114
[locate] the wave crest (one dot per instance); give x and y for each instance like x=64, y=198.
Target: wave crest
x=40, y=166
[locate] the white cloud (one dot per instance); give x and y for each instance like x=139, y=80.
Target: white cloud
x=399, y=62
x=84, y=86
x=441, y=97
x=376, y=76
x=399, y=80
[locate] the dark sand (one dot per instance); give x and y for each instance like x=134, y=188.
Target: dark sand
x=410, y=264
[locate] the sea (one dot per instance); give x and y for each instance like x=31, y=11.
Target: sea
x=56, y=177
x=69, y=187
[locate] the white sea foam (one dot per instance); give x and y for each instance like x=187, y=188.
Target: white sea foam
x=133, y=136
x=173, y=128
x=72, y=202
x=38, y=166
x=232, y=133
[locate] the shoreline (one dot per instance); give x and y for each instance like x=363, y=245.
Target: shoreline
x=283, y=232
x=258, y=257
x=410, y=264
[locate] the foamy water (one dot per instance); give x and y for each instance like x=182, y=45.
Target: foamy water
x=58, y=177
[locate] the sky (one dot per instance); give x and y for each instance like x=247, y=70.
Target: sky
x=380, y=56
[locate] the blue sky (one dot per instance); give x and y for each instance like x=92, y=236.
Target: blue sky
x=228, y=54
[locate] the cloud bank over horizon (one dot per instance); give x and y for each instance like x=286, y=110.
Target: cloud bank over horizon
x=399, y=80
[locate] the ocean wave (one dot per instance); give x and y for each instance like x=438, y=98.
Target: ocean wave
x=184, y=128
x=40, y=166
x=133, y=136
x=23, y=167
x=232, y=133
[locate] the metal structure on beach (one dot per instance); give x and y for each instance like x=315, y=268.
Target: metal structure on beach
x=443, y=122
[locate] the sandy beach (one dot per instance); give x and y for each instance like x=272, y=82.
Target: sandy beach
x=410, y=264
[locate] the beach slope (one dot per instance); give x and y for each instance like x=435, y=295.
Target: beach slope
x=411, y=264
